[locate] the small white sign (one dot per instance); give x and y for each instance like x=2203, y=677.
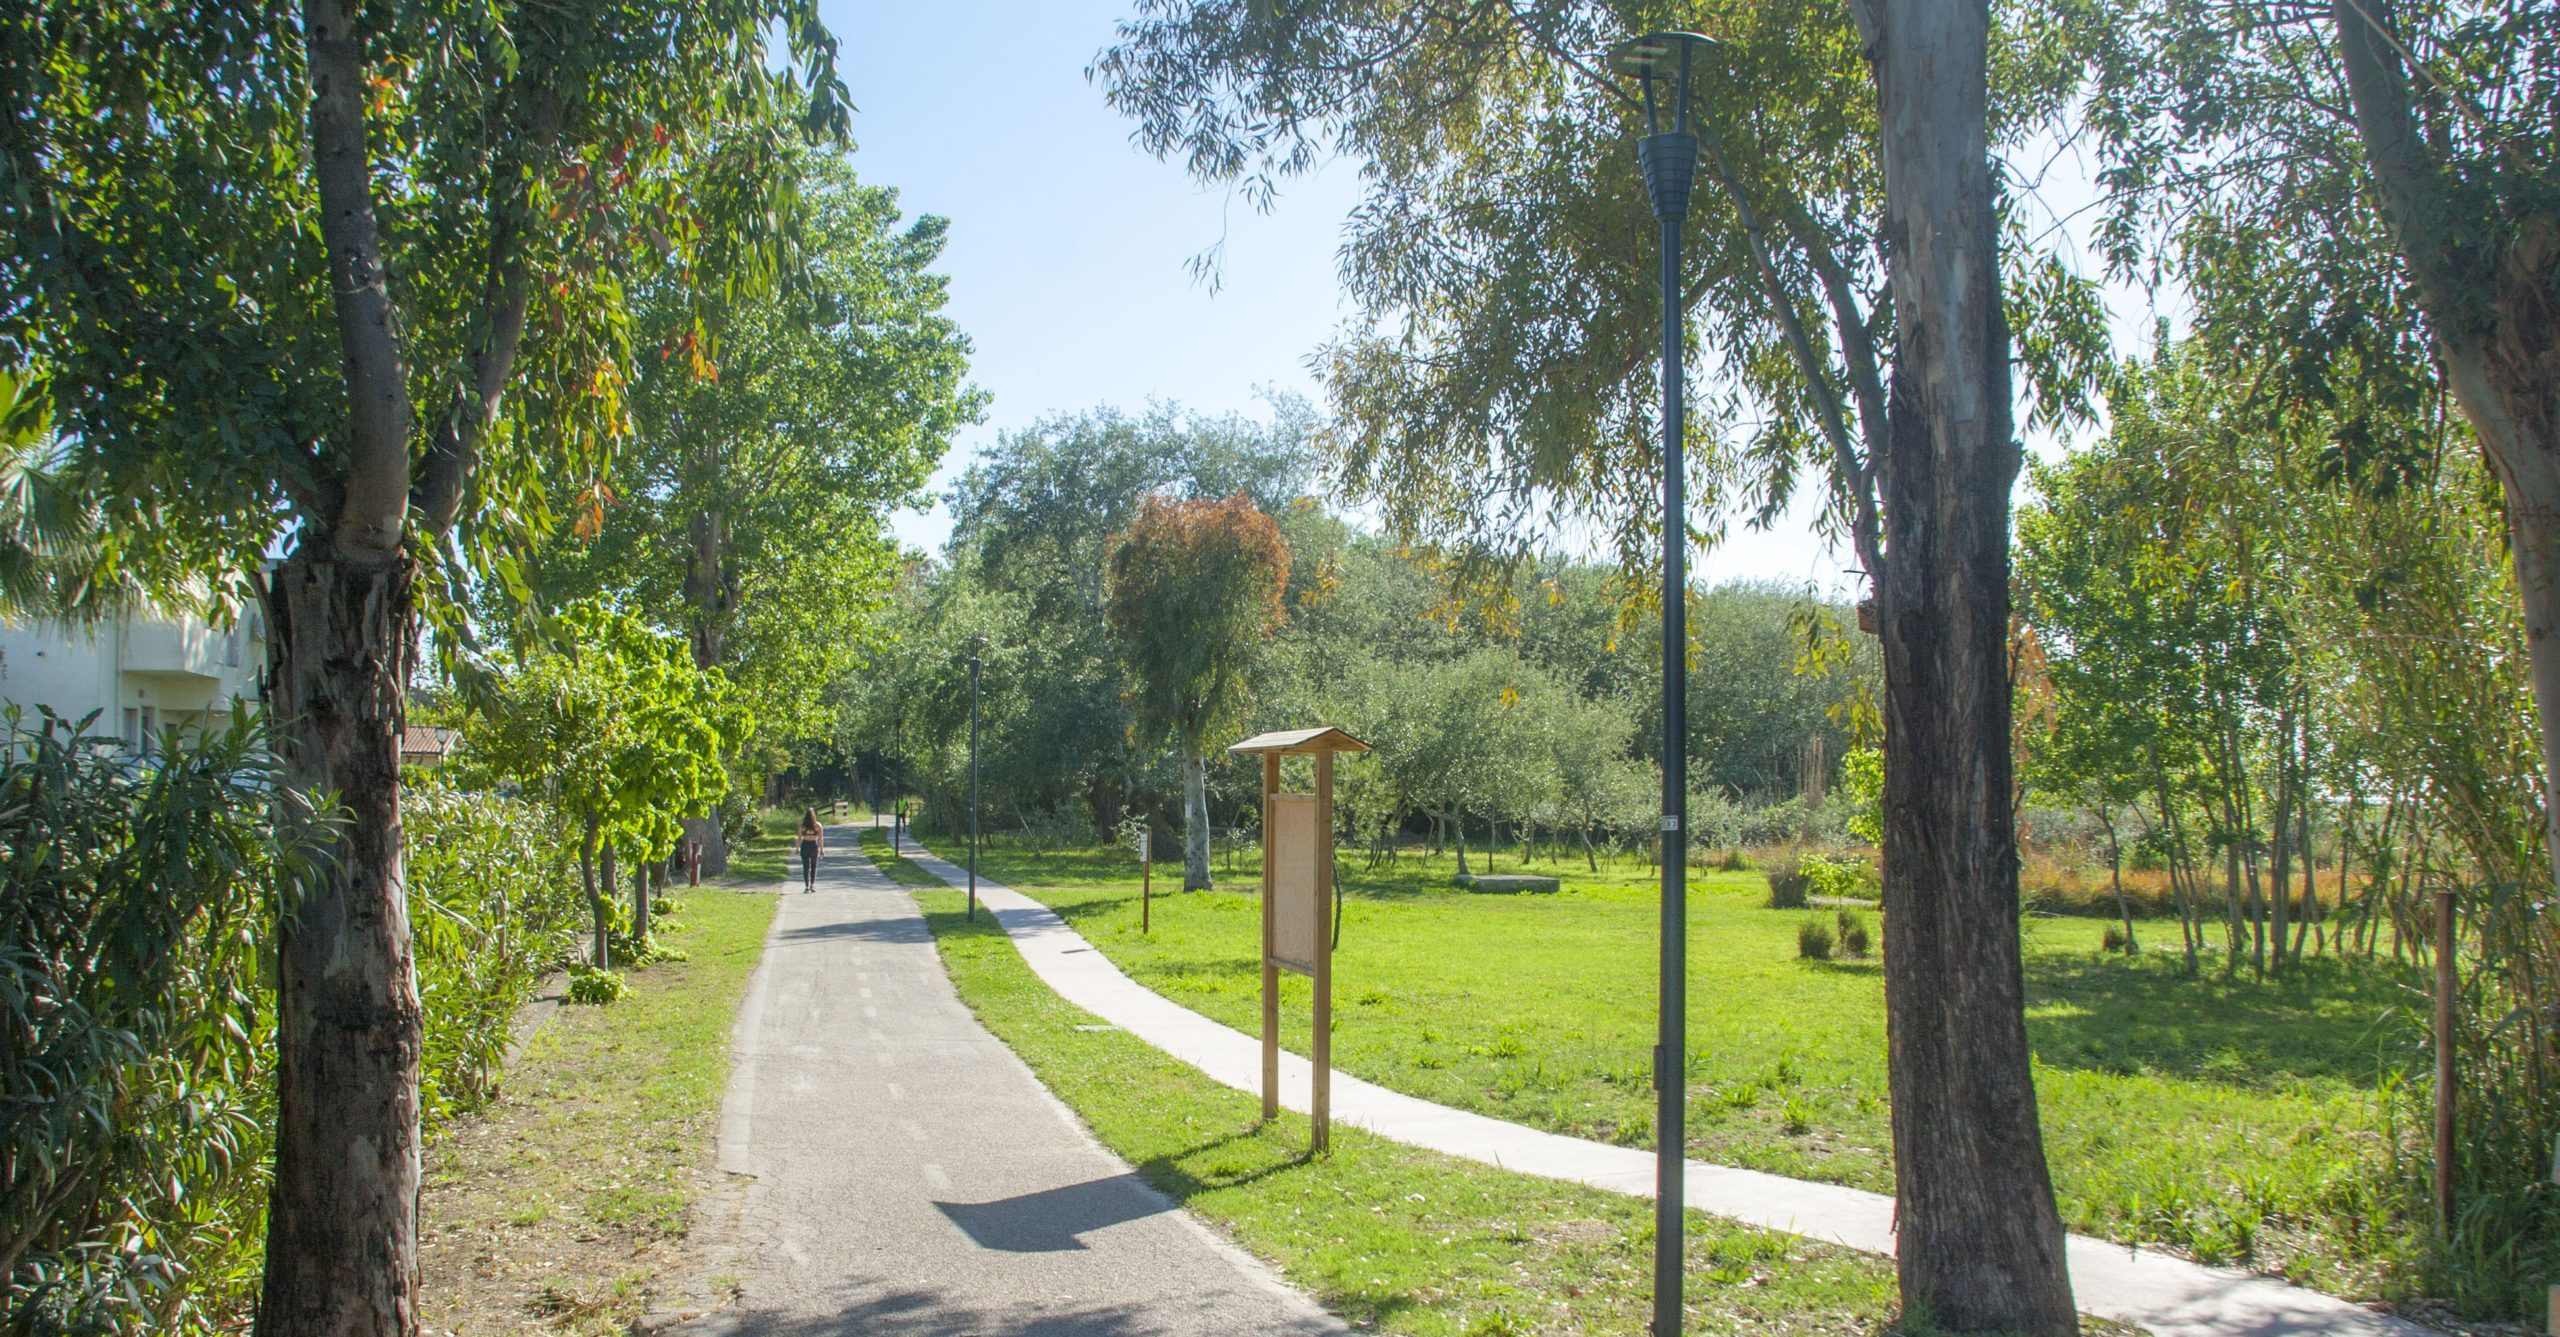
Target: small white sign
x=1146, y=847
x=1670, y=823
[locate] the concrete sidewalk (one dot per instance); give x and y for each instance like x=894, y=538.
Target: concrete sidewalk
x=2165, y=1294
x=913, y=1179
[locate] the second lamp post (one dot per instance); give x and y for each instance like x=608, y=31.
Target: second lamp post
x=1662, y=63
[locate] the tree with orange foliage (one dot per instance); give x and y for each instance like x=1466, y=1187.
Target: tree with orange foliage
x=1195, y=589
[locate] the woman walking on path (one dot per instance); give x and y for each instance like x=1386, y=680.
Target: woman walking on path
x=811, y=835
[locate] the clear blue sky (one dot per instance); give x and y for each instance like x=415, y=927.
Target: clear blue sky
x=1069, y=246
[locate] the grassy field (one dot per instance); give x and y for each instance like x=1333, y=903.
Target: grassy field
x=2239, y=1123
x=1394, y=1239
x=567, y=1206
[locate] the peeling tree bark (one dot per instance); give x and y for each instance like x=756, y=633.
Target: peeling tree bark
x=342, y=1223
x=1981, y=1245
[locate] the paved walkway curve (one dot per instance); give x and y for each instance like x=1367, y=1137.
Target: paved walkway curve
x=914, y=1179
x=2165, y=1294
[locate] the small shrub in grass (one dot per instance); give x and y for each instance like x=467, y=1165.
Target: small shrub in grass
x=1843, y=877
x=595, y=988
x=1796, y=1116
x=1787, y=884
x=1813, y=940
x=1733, y=862
x=2115, y=940
x=1853, y=934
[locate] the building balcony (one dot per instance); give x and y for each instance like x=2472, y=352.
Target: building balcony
x=186, y=648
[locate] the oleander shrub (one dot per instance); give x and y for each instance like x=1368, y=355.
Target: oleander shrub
x=136, y=1047
x=494, y=905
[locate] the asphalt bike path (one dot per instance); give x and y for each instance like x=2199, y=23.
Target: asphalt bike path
x=913, y=1179
x=2157, y=1291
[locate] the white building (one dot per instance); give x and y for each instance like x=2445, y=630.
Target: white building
x=143, y=672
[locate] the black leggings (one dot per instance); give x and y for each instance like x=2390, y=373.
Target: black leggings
x=808, y=861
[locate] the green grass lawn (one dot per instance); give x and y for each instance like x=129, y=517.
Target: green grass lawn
x=2240, y=1123
x=568, y=1199
x=1393, y=1238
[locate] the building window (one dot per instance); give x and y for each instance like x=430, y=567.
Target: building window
x=133, y=728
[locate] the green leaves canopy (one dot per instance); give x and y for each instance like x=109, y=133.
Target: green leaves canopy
x=615, y=725
x=1496, y=389
x=1195, y=591
x=164, y=259
x=774, y=433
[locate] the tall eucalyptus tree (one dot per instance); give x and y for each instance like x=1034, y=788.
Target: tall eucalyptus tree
x=349, y=281
x=1857, y=304
x=774, y=432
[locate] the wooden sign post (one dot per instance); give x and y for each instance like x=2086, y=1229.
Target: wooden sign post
x=1297, y=897
x=1146, y=880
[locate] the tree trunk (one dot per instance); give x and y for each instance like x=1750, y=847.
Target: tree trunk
x=342, y=1222
x=2115, y=878
x=1458, y=822
x=1590, y=856
x=2280, y=843
x=1195, y=821
x=711, y=589
x=1981, y=1244
x=343, y=1213
x=599, y=953
x=640, y=899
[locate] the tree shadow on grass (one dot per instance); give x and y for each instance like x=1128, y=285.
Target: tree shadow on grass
x=2326, y=1019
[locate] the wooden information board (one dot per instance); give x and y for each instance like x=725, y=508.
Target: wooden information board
x=1297, y=900
x=1298, y=918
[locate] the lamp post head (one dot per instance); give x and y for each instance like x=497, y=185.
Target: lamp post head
x=1665, y=65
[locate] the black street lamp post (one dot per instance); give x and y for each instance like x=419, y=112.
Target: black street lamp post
x=1670, y=162
x=973, y=781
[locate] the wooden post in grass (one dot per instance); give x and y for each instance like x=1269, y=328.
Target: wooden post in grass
x=1146, y=880
x=1270, y=967
x=1297, y=889
x=2444, y=1060
x=1320, y=1043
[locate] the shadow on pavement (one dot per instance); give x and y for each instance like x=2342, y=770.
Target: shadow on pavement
x=905, y=931
x=933, y=1315
x=1050, y=1220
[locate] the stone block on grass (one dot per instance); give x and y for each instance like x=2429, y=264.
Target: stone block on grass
x=1509, y=884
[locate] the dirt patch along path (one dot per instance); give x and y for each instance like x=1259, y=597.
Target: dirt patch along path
x=912, y=1177
x=586, y=1196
